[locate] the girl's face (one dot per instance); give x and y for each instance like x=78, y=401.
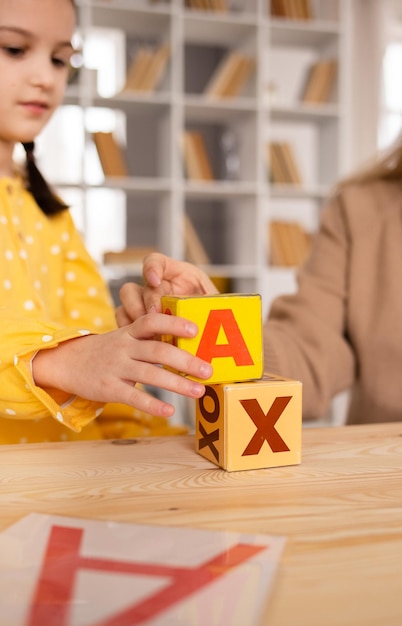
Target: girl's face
x=35, y=50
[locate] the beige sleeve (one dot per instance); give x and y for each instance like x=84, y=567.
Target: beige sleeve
x=305, y=333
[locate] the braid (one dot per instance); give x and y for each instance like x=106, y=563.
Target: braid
x=39, y=188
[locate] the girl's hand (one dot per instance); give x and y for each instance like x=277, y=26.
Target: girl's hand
x=106, y=367
x=162, y=276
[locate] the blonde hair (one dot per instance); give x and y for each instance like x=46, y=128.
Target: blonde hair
x=387, y=165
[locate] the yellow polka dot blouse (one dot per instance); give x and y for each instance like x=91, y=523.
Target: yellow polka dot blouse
x=51, y=291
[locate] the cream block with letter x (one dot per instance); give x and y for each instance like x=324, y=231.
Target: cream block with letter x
x=251, y=425
x=230, y=333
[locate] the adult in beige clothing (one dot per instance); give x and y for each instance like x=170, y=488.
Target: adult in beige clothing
x=343, y=328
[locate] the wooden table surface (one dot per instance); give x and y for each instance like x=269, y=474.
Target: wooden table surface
x=341, y=510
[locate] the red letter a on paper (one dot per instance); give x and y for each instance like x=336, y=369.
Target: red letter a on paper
x=54, y=595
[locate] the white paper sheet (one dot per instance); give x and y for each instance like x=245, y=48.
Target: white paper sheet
x=62, y=571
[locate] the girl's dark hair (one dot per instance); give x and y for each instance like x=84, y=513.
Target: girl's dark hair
x=44, y=196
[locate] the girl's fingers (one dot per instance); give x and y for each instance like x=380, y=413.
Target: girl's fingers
x=149, y=374
x=153, y=324
x=122, y=317
x=150, y=352
x=140, y=399
x=133, y=306
x=164, y=353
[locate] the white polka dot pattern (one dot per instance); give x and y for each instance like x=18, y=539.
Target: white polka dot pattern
x=49, y=286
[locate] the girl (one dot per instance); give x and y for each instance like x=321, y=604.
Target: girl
x=61, y=355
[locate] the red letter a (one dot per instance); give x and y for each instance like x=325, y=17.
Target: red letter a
x=208, y=349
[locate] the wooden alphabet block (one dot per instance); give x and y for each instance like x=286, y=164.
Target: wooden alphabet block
x=251, y=425
x=230, y=333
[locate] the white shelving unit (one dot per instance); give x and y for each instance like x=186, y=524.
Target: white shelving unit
x=317, y=133
x=230, y=215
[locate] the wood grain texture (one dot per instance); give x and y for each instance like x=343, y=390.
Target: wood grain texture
x=341, y=509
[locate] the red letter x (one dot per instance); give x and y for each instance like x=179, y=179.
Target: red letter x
x=265, y=425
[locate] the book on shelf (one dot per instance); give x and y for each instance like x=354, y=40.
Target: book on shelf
x=110, y=154
x=239, y=80
x=292, y=9
x=319, y=82
x=146, y=69
x=196, y=159
x=130, y=254
x=283, y=166
x=289, y=243
x=208, y=5
x=138, y=68
x=231, y=76
x=195, y=251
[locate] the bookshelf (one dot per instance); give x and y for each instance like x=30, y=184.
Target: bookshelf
x=270, y=77
x=306, y=87
x=234, y=78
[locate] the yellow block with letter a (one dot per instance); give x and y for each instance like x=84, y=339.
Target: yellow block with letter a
x=251, y=425
x=230, y=333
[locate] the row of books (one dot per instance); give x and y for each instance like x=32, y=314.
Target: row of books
x=235, y=70
x=289, y=243
x=227, y=81
x=282, y=166
x=292, y=9
x=230, y=77
x=147, y=68
x=195, y=251
x=208, y=5
x=289, y=246
x=196, y=159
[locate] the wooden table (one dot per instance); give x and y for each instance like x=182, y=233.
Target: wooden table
x=341, y=510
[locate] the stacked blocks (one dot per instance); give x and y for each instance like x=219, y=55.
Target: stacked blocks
x=246, y=419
